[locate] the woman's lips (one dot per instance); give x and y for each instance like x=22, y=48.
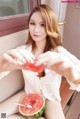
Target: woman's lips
x=36, y=35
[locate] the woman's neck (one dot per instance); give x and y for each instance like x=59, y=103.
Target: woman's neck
x=39, y=48
x=37, y=52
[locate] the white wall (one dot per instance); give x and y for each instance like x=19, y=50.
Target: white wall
x=71, y=39
x=45, y=2
x=54, y=4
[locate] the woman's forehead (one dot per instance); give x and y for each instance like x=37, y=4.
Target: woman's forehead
x=36, y=17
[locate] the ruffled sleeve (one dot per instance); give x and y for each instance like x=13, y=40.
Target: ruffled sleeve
x=5, y=73
x=76, y=63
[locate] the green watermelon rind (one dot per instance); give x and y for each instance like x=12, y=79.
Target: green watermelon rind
x=37, y=114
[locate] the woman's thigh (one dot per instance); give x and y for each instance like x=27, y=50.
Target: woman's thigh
x=16, y=116
x=54, y=110
x=9, y=106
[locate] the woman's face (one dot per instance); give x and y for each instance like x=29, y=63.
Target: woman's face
x=36, y=27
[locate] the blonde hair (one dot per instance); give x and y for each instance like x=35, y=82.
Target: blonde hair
x=51, y=27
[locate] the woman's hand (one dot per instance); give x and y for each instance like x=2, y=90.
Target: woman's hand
x=60, y=64
x=49, y=58
x=13, y=59
x=55, y=61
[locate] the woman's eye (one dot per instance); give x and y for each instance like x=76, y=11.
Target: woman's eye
x=42, y=25
x=32, y=23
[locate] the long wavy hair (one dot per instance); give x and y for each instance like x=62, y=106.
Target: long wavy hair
x=51, y=28
x=53, y=38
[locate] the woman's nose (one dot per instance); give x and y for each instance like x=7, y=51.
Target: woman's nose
x=36, y=28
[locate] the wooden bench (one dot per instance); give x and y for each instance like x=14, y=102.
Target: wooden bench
x=65, y=92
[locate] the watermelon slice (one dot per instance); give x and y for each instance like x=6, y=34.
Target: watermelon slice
x=31, y=66
x=36, y=101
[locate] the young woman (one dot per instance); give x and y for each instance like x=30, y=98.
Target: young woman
x=44, y=43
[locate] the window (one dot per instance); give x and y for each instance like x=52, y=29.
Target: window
x=14, y=14
x=13, y=7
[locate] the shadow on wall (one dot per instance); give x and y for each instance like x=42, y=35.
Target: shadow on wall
x=6, y=11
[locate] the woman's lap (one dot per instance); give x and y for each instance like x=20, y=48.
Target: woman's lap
x=8, y=106
x=53, y=109
x=11, y=110
x=16, y=116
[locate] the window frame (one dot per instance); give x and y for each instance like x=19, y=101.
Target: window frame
x=15, y=23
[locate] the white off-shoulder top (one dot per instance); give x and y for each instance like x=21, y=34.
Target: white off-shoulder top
x=49, y=85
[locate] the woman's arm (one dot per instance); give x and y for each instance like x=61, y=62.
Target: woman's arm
x=14, y=59
x=7, y=63
x=1, y=64
x=71, y=57
x=3, y=71
x=74, y=69
x=68, y=70
x=61, y=64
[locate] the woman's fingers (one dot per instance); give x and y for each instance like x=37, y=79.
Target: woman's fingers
x=8, y=58
x=27, y=55
x=49, y=58
x=21, y=56
x=42, y=60
x=16, y=55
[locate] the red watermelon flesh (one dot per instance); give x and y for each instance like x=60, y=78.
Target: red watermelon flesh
x=36, y=101
x=31, y=66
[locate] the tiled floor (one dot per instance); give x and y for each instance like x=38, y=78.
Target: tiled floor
x=72, y=111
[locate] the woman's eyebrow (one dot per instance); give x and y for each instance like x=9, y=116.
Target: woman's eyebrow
x=32, y=20
x=35, y=21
